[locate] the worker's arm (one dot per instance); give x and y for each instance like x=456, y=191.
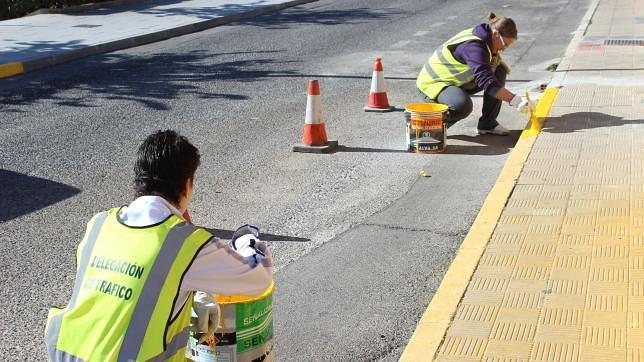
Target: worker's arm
x=218, y=269
x=522, y=104
x=504, y=94
x=475, y=54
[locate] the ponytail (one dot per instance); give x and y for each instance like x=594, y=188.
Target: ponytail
x=505, y=26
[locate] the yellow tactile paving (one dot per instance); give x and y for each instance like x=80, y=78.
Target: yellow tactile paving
x=456, y=327
x=560, y=274
x=562, y=278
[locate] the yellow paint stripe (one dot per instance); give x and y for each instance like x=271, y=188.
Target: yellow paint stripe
x=546, y=101
x=537, y=118
x=11, y=69
x=434, y=323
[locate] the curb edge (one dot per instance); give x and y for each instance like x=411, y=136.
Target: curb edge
x=564, y=66
x=10, y=69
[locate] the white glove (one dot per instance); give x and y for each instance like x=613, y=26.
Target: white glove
x=245, y=242
x=208, y=313
x=523, y=105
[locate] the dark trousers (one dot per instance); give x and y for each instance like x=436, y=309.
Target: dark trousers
x=459, y=103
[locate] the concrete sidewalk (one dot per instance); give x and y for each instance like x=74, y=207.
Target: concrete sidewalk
x=553, y=267
x=38, y=41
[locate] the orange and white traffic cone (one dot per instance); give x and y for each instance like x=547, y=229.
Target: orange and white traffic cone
x=378, y=101
x=314, y=139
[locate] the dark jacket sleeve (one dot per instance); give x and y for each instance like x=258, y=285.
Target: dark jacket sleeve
x=475, y=55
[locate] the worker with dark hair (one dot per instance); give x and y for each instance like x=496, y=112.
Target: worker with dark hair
x=138, y=267
x=466, y=64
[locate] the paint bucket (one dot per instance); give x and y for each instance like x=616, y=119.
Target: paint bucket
x=245, y=332
x=426, y=132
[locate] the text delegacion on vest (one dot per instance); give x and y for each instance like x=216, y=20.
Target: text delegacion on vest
x=118, y=266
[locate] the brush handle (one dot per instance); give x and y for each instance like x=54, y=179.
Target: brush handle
x=527, y=96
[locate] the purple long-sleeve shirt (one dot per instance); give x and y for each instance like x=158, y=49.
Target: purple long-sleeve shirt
x=474, y=53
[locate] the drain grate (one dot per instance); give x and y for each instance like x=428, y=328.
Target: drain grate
x=624, y=42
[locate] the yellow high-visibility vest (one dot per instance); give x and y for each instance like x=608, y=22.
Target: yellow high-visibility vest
x=126, y=288
x=442, y=69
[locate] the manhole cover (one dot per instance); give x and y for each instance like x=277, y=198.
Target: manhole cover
x=624, y=42
x=86, y=26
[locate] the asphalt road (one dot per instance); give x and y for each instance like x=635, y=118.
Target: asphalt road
x=360, y=240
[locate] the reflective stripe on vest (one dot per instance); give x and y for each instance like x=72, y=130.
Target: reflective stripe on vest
x=139, y=327
x=63, y=356
x=53, y=327
x=442, y=69
x=151, y=292
x=179, y=342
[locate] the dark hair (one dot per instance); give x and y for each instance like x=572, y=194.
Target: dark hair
x=164, y=161
x=505, y=26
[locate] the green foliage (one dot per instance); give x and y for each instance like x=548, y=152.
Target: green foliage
x=16, y=8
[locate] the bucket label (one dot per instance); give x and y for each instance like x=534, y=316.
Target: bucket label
x=254, y=324
x=425, y=131
x=427, y=124
x=205, y=353
x=425, y=136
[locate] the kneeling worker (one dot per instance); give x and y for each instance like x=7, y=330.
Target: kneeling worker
x=138, y=266
x=468, y=63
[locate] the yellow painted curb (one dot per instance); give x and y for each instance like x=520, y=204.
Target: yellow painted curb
x=543, y=107
x=11, y=69
x=433, y=325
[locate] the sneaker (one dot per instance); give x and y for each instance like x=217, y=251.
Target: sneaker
x=498, y=130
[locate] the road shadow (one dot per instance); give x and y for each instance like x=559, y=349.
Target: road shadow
x=22, y=51
x=228, y=234
x=21, y=194
x=165, y=8
x=568, y=123
x=152, y=81
x=486, y=145
x=280, y=19
x=365, y=76
x=299, y=15
x=350, y=149
x=577, y=121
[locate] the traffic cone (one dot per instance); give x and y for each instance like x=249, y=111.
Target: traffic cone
x=378, y=101
x=314, y=139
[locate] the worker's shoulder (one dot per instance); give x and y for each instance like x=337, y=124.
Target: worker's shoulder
x=109, y=212
x=474, y=41
x=219, y=238
x=473, y=48
x=219, y=234
x=200, y=230
x=216, y=238
x=102, y=215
